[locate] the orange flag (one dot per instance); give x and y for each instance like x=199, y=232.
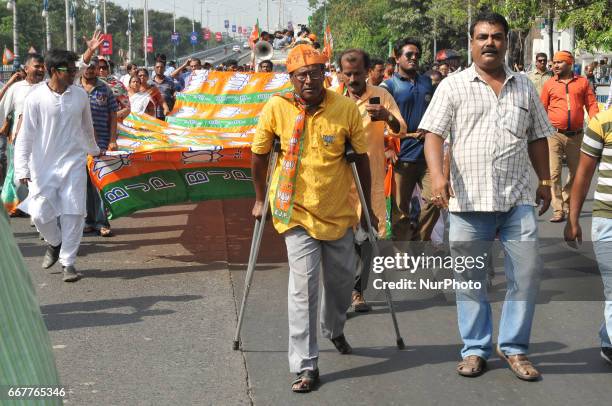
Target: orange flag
x=7, y=56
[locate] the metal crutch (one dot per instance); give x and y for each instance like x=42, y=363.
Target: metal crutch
x=351, y=156
x=256, y=242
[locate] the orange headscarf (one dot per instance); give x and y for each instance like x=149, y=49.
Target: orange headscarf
x=564, y=56
x=304, y=55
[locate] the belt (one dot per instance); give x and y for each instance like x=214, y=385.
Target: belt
x=569, y=133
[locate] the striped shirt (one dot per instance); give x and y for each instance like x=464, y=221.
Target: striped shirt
x=102, y=102
x=488, y=136
x=597, y=142
x=26, y=356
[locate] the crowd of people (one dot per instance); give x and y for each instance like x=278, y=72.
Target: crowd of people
x=468, y=139
x=460, y=142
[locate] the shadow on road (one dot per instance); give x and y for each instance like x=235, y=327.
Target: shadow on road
x=72, y=315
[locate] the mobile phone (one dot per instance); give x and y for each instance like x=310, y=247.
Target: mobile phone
x=374, y=100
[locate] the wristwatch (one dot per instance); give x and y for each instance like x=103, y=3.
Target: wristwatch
x=545, y=182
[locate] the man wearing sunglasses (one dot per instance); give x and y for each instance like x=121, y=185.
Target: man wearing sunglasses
x=412, y=93
x=540, y=74
x=310, y=205
x=56, y=136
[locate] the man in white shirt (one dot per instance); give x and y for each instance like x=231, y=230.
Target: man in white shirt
x=12, y=103
x=51, y=153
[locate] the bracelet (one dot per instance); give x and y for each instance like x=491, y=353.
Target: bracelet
x=545, y=182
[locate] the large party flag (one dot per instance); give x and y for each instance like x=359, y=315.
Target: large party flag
x=202, y=151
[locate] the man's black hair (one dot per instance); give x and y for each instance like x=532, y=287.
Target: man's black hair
x=365, y=57
x=401, y=43
x=266, y=61
x=391, y=61
x=207, y=66
x=541, y=54
x=59, y=58
x=196, y=59
x=130, y=65
x=33, y=57
x=161, y=57
x=160, y=60
x=376, y=61
x=489, y=17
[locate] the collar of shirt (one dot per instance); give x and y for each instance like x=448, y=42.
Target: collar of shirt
x=574, y=77
x=474, y=75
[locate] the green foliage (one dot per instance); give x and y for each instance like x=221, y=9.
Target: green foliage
x=370, y=24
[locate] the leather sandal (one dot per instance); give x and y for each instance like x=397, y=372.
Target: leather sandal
x=557, y=218
x=520, y=365
x=305, y=381
x=472, y=366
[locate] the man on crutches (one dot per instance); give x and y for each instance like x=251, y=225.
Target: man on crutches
x=309, y=200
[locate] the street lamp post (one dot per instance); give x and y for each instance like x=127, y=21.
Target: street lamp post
x=12, y=6
x=45, y=14
x=129, y=34
x=74, y=27
x=146, y=30
x=68, y=37
x=104, y=14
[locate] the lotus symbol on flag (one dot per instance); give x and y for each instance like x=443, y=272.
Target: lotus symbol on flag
x=106, y=165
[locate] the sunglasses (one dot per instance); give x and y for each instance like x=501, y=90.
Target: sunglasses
x=301, y=77
x=411, y=55
x=69, y=70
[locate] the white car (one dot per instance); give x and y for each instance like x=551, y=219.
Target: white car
x=246, y=45
x=236, y=48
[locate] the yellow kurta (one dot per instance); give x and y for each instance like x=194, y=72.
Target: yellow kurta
x=320, y=203
x=375, y=134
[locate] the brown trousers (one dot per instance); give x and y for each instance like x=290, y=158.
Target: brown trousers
x=407, y=175
x=559, y=145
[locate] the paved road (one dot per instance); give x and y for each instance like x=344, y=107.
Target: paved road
x=152, y=323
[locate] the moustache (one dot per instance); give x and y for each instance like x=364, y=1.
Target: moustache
x=489, y=50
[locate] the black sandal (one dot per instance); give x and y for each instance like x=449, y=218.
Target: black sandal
x=342, y=345
x=307, y=379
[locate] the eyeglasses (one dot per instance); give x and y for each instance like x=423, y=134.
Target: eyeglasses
x=103, y=67
x=69, y=70
x=301, y=77
x=410, y=55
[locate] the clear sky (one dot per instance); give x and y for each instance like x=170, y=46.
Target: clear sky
x=239, y=12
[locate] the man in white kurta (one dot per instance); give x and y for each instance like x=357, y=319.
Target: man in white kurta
x=51, y=153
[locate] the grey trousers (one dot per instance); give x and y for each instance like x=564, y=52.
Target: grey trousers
x=307, y=258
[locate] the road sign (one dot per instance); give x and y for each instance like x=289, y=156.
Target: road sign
x=107, y=44
x=175, y=38
x=239, y=30
x=149, y=44
x=226, y=23
x=206, y=33
x=194, y=38
x=234, y=28
x=218, y=36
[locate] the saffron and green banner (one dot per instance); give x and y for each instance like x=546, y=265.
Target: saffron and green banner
x=201, y=152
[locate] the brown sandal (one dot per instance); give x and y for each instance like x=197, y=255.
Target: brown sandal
x=471, y=366
x=520, y=365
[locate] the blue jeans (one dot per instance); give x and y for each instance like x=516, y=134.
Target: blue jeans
x=601, y=234
x=518, y=234
x=96, y=212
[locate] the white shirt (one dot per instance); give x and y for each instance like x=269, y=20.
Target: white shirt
x=125, y=79
x=54, y=140
x=488, y=135
x=13, y=100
